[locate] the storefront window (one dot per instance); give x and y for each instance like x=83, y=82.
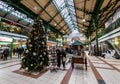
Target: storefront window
x=13, y=29
x=117, y=42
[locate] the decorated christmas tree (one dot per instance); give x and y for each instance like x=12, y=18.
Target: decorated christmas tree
x=35, y=56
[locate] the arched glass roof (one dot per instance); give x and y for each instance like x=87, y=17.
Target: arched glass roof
x=67, y=11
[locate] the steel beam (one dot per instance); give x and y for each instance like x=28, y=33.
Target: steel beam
x=45, y=6
x=62, y=27
x=82, y=10
x=45, y=11
x=95, y=22
x=53, y=17
x=111, y=12
x=110, y=4
x=108, y=16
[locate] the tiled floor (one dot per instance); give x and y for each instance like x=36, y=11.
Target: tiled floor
x=108, y=70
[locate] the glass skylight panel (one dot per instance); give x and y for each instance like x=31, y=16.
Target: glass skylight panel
x=67, y=11
x=59, y=2
x=70, y=2
x=75, y=23
x=71, y=9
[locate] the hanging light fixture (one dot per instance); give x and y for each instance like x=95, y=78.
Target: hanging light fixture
x=55, y=24
x=35, y=8
x=83, y=20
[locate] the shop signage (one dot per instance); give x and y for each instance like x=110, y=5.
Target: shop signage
x=6, y=39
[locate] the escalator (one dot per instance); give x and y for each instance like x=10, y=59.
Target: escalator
x=113, y=46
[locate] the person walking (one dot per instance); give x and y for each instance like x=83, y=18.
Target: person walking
x=19, y=53
x=58, y=58
x=63, y=56
x=13, y=51
x=6, y=53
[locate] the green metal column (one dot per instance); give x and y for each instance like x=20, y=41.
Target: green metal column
x=0, y=24
x=57, y=38
x=63, y=41
x=11, y=48
x=89, y=41
x=96, y=12
x=89, y=38
x=46, y=29
x=95, y=26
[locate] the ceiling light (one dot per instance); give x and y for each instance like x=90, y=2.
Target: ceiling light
x=35, y=8
x=83, y=20
x=55, y=24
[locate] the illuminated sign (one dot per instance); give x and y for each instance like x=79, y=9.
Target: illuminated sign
x=6, y=39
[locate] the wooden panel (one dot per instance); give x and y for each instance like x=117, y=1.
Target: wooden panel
x=58, y=18
x=69, y=32
x=105, y=3
x=87, y=17
x=58, y=27
x=79, y=3
x=80, y=13
x=62, y=23
x=90, y=5
x=64, y=28
x=80, y=25
x=53, y=23
x=51, y=10
x=31, y=5
x=42, y=2
x=45, y=16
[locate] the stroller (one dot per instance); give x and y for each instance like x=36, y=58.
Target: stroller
x=53, y=63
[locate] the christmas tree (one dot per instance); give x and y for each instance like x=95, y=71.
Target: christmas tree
x=35, y=56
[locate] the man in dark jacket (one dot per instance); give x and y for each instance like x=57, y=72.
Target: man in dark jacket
x=6, y=53
x=63, y=55
x=58, y=58
x=20, y=51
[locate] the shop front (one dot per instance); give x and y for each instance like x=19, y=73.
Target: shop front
x=12, y=43
x=51, y=44
x=6, y=42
